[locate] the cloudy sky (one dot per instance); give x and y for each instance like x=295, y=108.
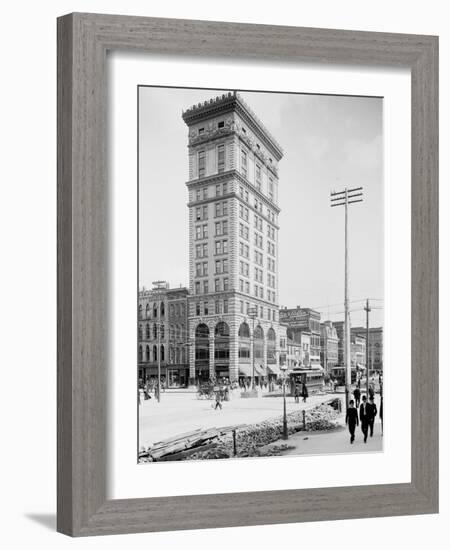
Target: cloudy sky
x=329, y=143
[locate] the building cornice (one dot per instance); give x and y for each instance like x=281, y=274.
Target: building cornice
x=230, y=102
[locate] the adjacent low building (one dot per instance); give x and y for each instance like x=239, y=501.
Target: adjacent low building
x=329, y=346
x=375, y=347
x=303, y=321
x=162, y=336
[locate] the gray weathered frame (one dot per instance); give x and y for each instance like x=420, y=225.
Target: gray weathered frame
x=83, y=41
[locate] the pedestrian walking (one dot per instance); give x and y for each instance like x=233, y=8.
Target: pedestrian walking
x=357, y=395
x=304, y=392
x=351, y=419
x=364, y=417
x=372, y=412
x=297, y=394
x=371, y=392
x=218, y=403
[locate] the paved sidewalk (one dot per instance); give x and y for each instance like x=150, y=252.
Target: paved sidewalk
x=178, y=413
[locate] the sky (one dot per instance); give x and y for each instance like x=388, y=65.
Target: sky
x=329, y=143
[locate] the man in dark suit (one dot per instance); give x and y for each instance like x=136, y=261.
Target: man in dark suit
x=372, y=408
x=364, y=417
x=351, y=419
x=357, y=394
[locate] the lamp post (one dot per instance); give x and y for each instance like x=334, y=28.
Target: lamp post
x=285, y=430
x=252, y=313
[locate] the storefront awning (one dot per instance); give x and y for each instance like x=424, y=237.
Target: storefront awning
x=274, y=369
x=247, y=370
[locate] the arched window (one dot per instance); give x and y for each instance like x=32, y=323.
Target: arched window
x=140, y=353
x=147, y=353
x=155, y=311
x=258, y=343
x=244, y=343
x=140, y=311
x=155, y=331
x=162, y=309
x=162, y=332
x=271, y=341
x=162, y=353
x=147, y=331
x=202, y=344
x=244, y=331
x=147, y=311
x=155, y=354
x=222, y=341
x=140, y=332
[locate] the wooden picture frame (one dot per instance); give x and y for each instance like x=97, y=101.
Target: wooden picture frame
x=83, y=41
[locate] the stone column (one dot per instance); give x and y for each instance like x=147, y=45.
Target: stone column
x=234, y=351
x=212, y=370
x=191, y=349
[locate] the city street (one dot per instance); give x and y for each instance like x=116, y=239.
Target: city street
x=180, y=412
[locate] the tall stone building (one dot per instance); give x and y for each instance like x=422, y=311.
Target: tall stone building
x=375, y=346
x=233, y=236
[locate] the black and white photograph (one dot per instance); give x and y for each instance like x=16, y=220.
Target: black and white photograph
x=260, y=298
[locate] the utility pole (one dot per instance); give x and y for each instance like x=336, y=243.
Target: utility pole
x=344, y=198
x=159, y=287
x=367, y=310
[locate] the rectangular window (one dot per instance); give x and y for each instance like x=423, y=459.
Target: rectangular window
x=205, y=192
x=205, y=231
x=201, y=163
x=225, y=208
x=218, y=190
x=220, y=124
x=218, y=266
x=218, y=247
x=225, y=306
x=197, y=287
x=221, y=158
x=205, y=250
x=225, y=266
x=198, y=269
x=216, y=285
x=205, y=212
x=225, y=247
x=217, y=307
x=206, y=308
x=198, y=213
x=218, y=227
x=271, y=189
x=224, y=188
x=205, y=287
x=197, y=308
x=198, y=251
x=244, y=163
x=241, y=304
x=241, y=285
x=197, y=194
x=225, y=284
x=225, y=227
x=218, y=209
x=198, y=231
x=258, y=176
x=247, y=287
x=205, y=268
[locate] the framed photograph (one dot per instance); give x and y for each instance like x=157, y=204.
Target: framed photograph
x=247, y=274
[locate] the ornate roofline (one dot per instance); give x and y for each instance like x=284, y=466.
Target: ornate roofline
x=232, y=101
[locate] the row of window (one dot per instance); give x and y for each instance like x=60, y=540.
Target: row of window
x=176, y=355
x=202, y=192
x=201, y=156
x=151, y=311
x=220, y=306
x=153, y=332
x=261, y=312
